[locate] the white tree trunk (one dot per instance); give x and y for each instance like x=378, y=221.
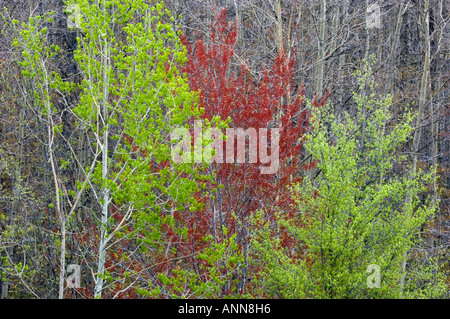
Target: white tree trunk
x=106, y=195
x=321, y=49
x=420, y=111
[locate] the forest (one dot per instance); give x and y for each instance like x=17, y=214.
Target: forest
x=224, y=149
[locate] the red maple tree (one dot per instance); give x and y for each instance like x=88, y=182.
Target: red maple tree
x=270, y=101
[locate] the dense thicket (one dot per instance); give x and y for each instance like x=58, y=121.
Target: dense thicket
x=86, y=176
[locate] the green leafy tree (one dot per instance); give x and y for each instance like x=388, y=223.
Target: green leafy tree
x=218, y=261
x=40, y=84
x=357, y=217
x=131, y=95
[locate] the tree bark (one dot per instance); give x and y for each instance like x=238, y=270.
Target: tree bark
x=106, y=195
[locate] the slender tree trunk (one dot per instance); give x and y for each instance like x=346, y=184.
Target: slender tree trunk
x=393, y=53
x=320, y=69
x=238, y=24
x=367, y=49
x=334, y=67
x=423, y=86
x=321, y=49
x=59, y=211
x=106, y=199
x=106, y=195
x=301, y=45
x=420, y=112
x=279, y=26
x=392, y=58
x=342, y=56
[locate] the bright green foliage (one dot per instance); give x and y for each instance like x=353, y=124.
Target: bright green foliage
x=356, y=212
x=36, y=63
x=132, y=95
x=147, y=97
x=218, y=263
